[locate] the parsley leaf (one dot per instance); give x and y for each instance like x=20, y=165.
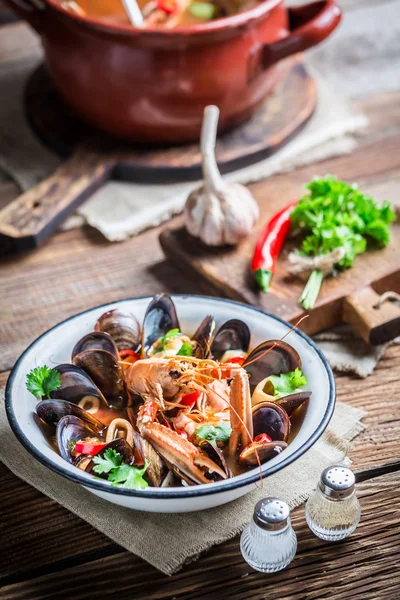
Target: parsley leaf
x=129, y=476
x=185, y=350
x=43, y=380
x=335, y=215
x=109, y=461
x=221, y=432
x=287, y=383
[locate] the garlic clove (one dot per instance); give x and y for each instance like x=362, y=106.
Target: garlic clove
x=217, y=212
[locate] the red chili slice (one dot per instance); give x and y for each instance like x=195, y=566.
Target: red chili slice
x=237, y=360
x=128, y=352
x=168, y=6
x=190, y=399
x=91, y=448
x=181, y=433
x=262, y=438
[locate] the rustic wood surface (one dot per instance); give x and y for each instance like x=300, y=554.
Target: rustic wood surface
x=48, y=553
x=227, y=269
x=32, y=217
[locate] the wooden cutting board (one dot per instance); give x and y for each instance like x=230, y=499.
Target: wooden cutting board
x=348, y=297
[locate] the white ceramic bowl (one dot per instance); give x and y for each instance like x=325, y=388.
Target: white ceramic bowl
x=55, y=347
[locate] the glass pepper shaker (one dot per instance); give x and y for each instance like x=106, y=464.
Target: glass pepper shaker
x=333, y=511
x=269, y=543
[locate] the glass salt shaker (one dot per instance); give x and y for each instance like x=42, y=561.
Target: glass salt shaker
x=269, y=543
x=333, y=511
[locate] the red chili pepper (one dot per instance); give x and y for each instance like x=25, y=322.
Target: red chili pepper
x=181, y=433
x=190, y=399
x=91, y=448
x=262, y=438
x=168, y=6
x=269, y=245
x=237, y=360
x=128, y=352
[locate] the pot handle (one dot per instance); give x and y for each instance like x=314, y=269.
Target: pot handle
x=29, y=10
x=308, y=26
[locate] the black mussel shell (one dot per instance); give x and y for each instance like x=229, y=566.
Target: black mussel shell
x=270, y=418
x=76, y=385
x=203, y=336
x=292, y=401
x=123, y=327
x=96, y=340
x=106, y=372
x=83, y=461
x=71, y=429
x=232, y=335
x=260, y=451
x=51, y=411
x=156, y=469
x=216, y=455
x=281, y=359
x=160, y=318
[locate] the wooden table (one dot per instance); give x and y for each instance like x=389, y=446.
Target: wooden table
x=47, y=553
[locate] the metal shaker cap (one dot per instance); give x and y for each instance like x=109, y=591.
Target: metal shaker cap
x=337, y=482
x=271, y=514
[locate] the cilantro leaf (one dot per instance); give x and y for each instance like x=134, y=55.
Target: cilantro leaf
x=41, y=381
x=287, y=383
x=109, y=461
x=221, y=432
x=185, y=350
x=129, y=476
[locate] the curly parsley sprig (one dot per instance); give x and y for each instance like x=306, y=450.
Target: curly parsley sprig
x=335, y=215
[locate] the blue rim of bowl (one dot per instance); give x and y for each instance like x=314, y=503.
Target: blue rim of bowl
x=186, y=492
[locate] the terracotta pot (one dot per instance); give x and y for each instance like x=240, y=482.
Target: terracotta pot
x=152, y=85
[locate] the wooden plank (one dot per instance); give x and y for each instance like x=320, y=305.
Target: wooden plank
x=363, y=566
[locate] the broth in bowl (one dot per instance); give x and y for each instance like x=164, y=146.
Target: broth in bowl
x=160, y=13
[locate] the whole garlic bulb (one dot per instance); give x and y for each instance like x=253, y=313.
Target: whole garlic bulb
x=218, y=213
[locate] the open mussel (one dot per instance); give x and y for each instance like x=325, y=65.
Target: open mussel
x=106, y=372
x=232, y=335
x=272, y=419
x=122, y=327
x=260, y=450
x=78, y=388
x=203, y=336
x=71, y=429
x=270, y=359
x=51, y=411
x=264, y=392
x=160, y=317
x=95, y=341
x=217, y=458
x=156, y=469
x=292, y=401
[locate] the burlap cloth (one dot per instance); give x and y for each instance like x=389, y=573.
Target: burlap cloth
x=188, y=534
